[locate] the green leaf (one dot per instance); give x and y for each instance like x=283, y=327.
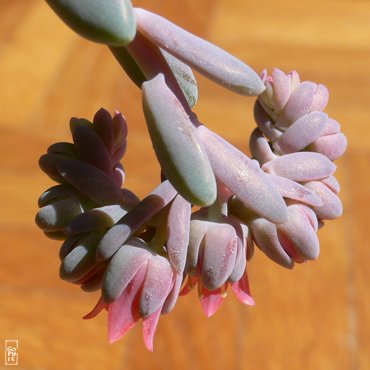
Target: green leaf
x=179, y=152
x=107, y=22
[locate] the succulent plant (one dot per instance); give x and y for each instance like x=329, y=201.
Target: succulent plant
x=198, y=227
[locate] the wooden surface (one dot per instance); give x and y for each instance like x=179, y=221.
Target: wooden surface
x=314, y=317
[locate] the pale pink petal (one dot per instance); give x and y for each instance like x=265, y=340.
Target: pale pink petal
x=211, y=301
x=242, y=291
x=149, y=328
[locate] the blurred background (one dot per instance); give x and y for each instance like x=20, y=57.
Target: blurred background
x=314, y=317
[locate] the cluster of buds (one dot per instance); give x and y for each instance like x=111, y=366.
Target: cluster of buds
x=199, y=226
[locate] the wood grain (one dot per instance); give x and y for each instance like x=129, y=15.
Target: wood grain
x=314, y=317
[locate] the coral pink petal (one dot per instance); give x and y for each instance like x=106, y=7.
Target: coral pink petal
x=211, y=301
x=242, y=291
x=96, y=310
x=149, y=327
x=123, y=313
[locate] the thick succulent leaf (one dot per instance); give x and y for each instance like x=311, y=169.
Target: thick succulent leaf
x=299, y=104
x=243, y=177
x=220, y=250
x=103, y=126
x=266, y=237
x=128, y=63
x=94, y=219
x=198, y=229
x=178, y=226
x=206, y=58
x=302, y=132
x=302, y=166
x=81, y=259
x=184, y=76
x=298, y=234
x=57, y=192
x=91, y=148
x=293, y=190
x=108, y=22
x=63, y=148
x=332, y=183
x=260, y=147
x=331, y=146
x=331, y=207
x=320, y=99
x=91, y=181
x=281, y=88
x=56, y=215
x=123, y=267
x=180, y=153
x=134, y=219
x=265, y=123
x=156, y=286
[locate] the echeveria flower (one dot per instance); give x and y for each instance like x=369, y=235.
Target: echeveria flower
x=137, y=285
